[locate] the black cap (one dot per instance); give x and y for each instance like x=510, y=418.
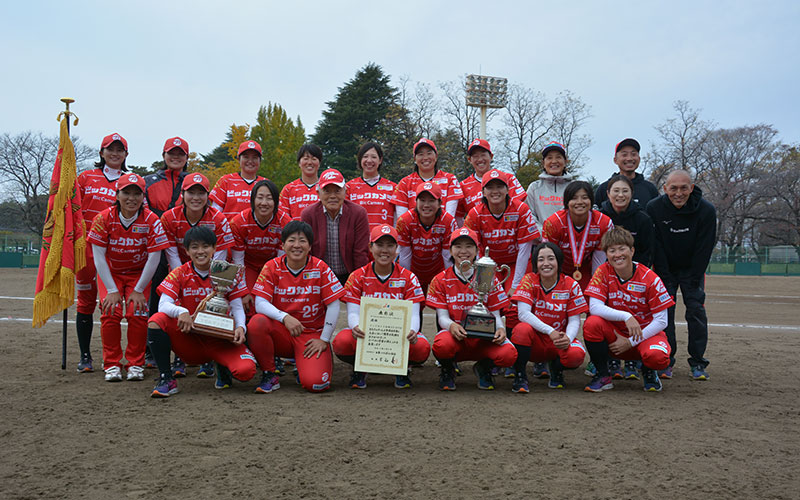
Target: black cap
x=628, y=142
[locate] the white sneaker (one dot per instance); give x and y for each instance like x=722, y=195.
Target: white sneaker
x=135, y=373
x=113, y=374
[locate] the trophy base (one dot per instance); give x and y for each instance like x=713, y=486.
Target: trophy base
x=480, y=326
x=213, y=325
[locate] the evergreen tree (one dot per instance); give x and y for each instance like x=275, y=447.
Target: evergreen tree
x=357, y=114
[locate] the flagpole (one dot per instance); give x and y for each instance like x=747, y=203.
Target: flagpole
x=67, y=101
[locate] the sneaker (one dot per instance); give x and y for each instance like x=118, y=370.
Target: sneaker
x=615, y=369
x=224, y=377
x=178, y=368
x=149, y=360
x=631, y=370
x=509, y=373
x=590, y=370
x=599, y=384
x=520, y=384
x=556, y=379
x=269, y=382
x=485, y=379
x=85, y=364
x=206, y=370
x=447, y=380
x=358, y=380
x=280, y=367
x=665, y=374
x=164, y=388
x=699, y=373
x=651, y=381
x=402, y=382
x=540, y=370
x=113, y=374
x=135, y=373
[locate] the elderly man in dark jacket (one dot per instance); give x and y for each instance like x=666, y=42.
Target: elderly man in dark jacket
x=341, y=227
x=685, y=234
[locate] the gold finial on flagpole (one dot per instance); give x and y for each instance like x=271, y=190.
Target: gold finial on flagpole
x=67, y=113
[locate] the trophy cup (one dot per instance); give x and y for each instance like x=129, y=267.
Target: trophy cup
x=478, y=321
x=211, y=317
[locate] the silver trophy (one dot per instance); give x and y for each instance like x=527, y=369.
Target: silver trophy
x=478, y=321
x=211, y=317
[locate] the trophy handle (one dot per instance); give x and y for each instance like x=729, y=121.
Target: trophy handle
x=508, y=272
x=461, y=266
x=202, y=305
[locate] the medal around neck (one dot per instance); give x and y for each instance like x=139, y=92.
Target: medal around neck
x=211, y=317
x=478, y=321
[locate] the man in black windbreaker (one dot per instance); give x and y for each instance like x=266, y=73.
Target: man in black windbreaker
x=685, y=235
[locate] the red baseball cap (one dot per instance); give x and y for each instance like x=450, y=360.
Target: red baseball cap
x=247, y=145
x=627, y=142
x=464, y=232
x=494, y=174
x=430, y=187
x=129, y=179
x=331, y=176
x=176, y=142
x=107, y=140
x=425, y=142
x=383, y=230
x=479, y=143
x=195, y=179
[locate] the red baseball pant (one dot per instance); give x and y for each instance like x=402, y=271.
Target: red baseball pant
x=542, y=348
x=86, y=285
x=445, y=346
x=654, y=352
x=111, y=328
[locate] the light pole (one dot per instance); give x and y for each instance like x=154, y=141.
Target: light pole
x=486, y=92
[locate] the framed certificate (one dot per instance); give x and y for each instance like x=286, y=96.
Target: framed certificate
x=384, y=348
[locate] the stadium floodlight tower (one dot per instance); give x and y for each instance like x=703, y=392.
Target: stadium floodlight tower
x=486, y=92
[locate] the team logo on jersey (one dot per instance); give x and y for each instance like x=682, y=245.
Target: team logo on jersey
x=594, y=230
x=211, y=225
x=437, y=230
x=198, y=178
x=383, y=187
x=440, y=181
x=160, y=239
x=139, y=229
x=310, y=275
x=397, y=283
x=560, y=295
x=635, y=287
x=664, y=297
x=511, y=217
x=336, y=287
x=580, y=301
x=274, y=229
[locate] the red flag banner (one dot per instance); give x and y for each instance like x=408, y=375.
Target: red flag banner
x=63, y=251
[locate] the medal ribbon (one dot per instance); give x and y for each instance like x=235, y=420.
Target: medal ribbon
x=577, y=254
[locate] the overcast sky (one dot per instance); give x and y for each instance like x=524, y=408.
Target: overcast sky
x=155, y=69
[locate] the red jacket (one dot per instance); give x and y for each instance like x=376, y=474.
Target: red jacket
x=353, y=233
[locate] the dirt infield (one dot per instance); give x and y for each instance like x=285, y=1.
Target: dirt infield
x=70, y=435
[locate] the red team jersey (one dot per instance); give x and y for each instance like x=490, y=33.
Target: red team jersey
x=642, y=295
x=375, y=199
x=405, y=194
x=127, y=248
x=296, y=196
x=448, y=291
x=258, y=243
x=176, y=225
x=426, y=244
x=97, y=193
x=401, y=285
x=503, y=234
x=473, y=194
x=232, y=193
x=553, y=307
x=303, y=295
x=188, y=288
x=554, y=229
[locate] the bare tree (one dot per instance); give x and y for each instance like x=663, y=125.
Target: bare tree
x=527, y=123
x=781, y=186
x=682, y=139
x=569, y=115
x=26, y=168
x=733, y=163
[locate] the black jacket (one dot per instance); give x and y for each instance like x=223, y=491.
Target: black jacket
x=684, y=237
x=643, y=191
x=635, y=220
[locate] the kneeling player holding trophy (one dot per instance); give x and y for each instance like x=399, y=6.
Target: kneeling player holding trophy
x=458, y=295
x=193, y=320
